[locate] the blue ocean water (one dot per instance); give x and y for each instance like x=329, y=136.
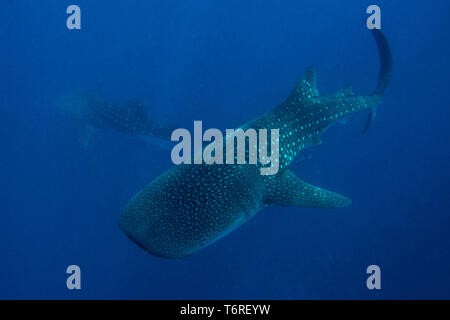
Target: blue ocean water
x=224, y=62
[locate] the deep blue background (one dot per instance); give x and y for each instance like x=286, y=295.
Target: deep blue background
x=224, y=62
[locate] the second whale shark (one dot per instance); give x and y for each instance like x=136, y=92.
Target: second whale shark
x=192, y=205
x=94, y=112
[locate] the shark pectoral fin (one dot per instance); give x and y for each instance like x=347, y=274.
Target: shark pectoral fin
x=288, y=190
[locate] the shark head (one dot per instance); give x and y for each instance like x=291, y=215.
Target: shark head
x=190, y=206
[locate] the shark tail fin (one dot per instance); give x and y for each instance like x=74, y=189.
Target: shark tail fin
x=384, y=76
x=385, y=73
x=288, y=190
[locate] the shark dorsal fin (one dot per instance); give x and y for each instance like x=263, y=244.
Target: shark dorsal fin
x=306, y=85
x=346, y=91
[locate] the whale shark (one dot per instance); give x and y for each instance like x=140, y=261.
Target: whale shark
x=95, y=112
x=192, y=205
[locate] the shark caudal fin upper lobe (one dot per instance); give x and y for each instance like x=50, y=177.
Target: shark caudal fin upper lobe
x=384, y=51
x=345, y=101
x=385, y=73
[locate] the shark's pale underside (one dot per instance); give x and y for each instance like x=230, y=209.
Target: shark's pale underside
x=192, y=205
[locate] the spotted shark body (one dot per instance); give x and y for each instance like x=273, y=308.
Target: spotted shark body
x=192, y=205
x=97, y=113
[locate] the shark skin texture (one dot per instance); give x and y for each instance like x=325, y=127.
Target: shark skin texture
x=192, y=205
